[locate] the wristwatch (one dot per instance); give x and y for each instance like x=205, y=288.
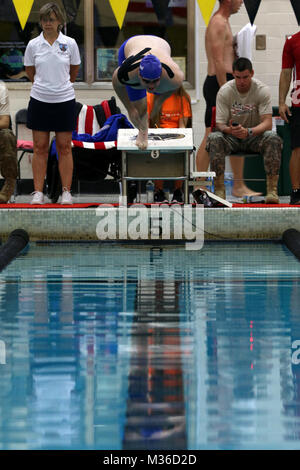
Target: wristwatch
x=250, y=132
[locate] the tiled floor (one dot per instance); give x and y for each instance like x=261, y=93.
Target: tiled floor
x=93, y=223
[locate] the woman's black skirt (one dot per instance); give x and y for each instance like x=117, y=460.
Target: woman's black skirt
x=57, y=117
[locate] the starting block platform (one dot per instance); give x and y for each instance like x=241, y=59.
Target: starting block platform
x=166, y=157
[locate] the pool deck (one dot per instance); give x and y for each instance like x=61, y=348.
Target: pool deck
x=89, y=220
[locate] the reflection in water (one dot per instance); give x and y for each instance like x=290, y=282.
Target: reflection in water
x=155, y=406
x=111, y=347
x=242, y=355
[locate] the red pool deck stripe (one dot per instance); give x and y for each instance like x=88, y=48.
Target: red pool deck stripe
x=87, y=205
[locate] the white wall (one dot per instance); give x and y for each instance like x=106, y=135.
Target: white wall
x=275, y=19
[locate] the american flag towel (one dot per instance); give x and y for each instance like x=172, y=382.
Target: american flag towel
x=88, y=133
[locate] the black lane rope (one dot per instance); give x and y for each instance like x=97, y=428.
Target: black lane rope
x=16, y=242
x=291, y=238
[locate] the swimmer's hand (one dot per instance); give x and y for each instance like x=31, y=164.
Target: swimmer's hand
x=142, y=125
x=142, y=139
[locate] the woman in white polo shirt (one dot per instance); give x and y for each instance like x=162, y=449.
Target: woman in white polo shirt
x=52, y=62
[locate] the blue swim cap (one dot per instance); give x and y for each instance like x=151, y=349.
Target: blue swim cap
x=150, y=67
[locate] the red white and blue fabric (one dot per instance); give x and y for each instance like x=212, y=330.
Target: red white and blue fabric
x=88, y=133
x=87, y=123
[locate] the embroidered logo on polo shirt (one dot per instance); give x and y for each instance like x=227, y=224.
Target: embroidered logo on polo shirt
x=63, y=47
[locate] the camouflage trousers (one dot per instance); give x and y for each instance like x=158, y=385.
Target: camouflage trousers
x=8, y=154
x=268, y=144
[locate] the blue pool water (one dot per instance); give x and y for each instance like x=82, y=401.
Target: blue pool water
x=104, y=346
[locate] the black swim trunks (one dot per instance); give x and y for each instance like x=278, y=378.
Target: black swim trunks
x=210, y=90
x=294, y=121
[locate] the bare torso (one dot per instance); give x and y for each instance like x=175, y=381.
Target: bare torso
x=161, y=49
x=159, y=46
x=219, y=44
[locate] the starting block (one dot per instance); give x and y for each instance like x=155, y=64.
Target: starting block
x=202, y=184
x=201, y=174
x=166, y=157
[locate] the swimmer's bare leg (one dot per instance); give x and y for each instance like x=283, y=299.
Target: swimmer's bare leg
x=139, y=117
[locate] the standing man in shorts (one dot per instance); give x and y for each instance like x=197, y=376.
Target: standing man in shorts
x=291, y=66
x=145, y=65
x=219, y=46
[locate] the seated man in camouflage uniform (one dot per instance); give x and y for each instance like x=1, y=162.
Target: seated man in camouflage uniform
x=8, y=148
x=244, y=123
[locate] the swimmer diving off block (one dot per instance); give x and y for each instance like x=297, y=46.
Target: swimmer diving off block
x=145, y=65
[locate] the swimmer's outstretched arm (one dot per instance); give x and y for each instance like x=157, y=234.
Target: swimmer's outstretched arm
x=140, y=114
x=137, y=111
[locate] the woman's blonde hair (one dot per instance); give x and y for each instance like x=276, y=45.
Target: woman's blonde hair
x=52, y=7
x=155, y=120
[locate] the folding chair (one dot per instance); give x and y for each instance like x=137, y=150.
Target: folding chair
x=23, y=146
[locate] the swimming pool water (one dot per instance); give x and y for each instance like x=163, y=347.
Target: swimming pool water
x=109, y=346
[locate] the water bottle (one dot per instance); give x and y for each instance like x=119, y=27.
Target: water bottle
x=228, y=179
x=150, y=191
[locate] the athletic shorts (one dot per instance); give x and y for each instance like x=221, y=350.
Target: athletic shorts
x=133, y=93
x=294, y=121
x=46, y=117
x=210, y=90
